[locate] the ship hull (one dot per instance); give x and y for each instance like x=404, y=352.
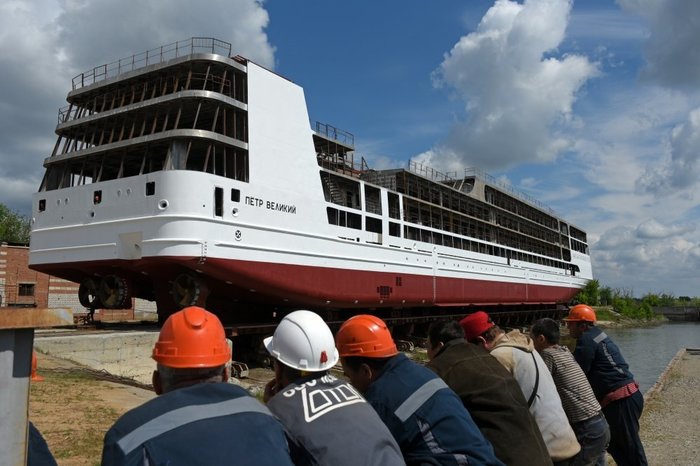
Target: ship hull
x=301, y=285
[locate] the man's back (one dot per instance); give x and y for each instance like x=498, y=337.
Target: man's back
x=516, y=352
x=602, y=362
x=427, y=419
x=575, y=392
x=197, y=425
x=495, y=401
x=327, y=420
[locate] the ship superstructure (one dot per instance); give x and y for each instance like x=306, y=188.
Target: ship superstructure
x=184, y=175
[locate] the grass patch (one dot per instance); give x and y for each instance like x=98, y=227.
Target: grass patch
x=68, y=410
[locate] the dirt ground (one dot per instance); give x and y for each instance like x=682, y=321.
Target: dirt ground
x=73, y=408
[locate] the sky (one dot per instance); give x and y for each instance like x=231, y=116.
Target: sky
x=591, y=107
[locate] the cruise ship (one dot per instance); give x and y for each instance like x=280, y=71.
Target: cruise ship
x=187, y=175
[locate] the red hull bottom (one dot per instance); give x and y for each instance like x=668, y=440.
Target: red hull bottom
x=316, y=287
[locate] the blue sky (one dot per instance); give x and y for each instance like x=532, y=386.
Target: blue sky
x=592, y=107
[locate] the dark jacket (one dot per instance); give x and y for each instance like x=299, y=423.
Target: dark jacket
x=602, y=362
x=204, y=424
x=38, y=453
x=426, y=418
x=329, y=422
x=495, y=401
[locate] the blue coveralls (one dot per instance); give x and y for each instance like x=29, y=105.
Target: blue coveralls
x=204, y=424
x=427, y=419
x=606, y=369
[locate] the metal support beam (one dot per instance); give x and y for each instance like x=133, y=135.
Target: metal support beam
x=16, y=346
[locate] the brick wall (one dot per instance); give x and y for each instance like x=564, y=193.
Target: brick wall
x=21, y=286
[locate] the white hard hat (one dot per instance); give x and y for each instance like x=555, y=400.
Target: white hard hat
x=303, y=341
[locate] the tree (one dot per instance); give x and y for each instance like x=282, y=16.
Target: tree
x=589, y=294
x=606, y=296
x=14, y=227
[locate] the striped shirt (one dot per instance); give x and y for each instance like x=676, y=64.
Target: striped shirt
x=575, y=392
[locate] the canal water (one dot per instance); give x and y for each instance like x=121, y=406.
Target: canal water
x=648, y=350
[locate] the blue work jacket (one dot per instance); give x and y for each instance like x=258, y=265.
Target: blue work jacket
x=602, y=362
x=204, y=424
x=427, y=419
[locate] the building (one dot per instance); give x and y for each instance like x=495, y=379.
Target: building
x=21, y=286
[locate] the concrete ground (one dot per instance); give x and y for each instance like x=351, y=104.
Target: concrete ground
x=669, y=423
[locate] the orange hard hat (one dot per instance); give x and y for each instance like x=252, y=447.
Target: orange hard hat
x=192, y=337
x=366, y=336
x=581, y=313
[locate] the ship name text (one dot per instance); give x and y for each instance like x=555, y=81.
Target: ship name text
x=270, y=205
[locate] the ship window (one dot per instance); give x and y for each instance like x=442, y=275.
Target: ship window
x=394, y=229
x=447, y=240
x=437, y=238
x=411, y=233
x=26, y=289
x=354, y=220
x=344, y=219
x=341, y=191
x=373, y=202
x=150, y=188
x=235, y=195
x=393, y=205
x=218, y=202
x=97, y=197
x=42, y=205
x=373, y=224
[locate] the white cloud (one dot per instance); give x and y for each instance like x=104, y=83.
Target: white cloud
x=681, y=169
x=518, y=98
x=673, y=57
x=652, y=229
x=655, y=257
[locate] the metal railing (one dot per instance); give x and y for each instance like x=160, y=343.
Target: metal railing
x=331, y=132
x=435, y=175
x=151, y=57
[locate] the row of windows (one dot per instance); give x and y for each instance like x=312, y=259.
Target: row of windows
x=353, y=220
x=201, y=155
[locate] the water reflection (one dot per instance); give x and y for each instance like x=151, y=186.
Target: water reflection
x=649, y=350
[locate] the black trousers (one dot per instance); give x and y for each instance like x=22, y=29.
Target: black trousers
x=623, y=418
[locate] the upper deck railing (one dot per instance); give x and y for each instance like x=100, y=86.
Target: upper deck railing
x=151, y=57
x=435, y=175
x=331, y=132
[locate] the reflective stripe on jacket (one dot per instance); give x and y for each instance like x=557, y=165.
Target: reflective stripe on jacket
x=204, y=424
x=602, y=362
x=426, y=417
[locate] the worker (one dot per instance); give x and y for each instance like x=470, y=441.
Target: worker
x=577, y=398
x=612, y=383
x=516, y=352
x=326, y=419
x=425, y=416
x=198, y=419
x=490, y=394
